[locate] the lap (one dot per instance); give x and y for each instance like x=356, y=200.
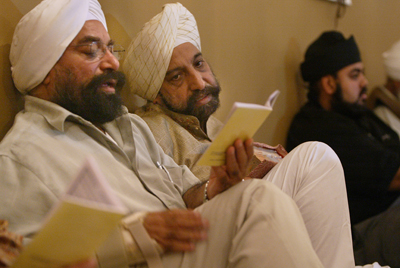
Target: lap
x=251, y=222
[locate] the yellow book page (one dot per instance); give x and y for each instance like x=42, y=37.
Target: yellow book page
x=242, y=124
x=72, y=234
x=77, y=225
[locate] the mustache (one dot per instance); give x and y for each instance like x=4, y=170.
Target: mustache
x=101, y=79
x=363, y=91
x=208, y=90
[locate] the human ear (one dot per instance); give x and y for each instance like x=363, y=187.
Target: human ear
x=329, y=84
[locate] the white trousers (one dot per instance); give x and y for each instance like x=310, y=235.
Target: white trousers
x=253, y=224
x=312, y=175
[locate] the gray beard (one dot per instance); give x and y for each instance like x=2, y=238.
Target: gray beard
x=202, y=113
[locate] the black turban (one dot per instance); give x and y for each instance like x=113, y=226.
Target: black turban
x=328, y=54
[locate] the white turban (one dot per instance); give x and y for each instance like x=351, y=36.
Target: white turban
x=150, y=52
x=42, y=36
x=391, y=60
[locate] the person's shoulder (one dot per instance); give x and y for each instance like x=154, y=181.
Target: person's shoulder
x=154, y=124
x=28, y=131
x=311, y=112
x=154, y=116
x=136, y=119
x=152, y=113
x=149, y=110
x=313, y=122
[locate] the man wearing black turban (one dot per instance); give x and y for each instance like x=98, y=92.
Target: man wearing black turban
x=368, y=149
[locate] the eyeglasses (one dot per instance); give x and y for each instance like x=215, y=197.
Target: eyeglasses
x=96, y=50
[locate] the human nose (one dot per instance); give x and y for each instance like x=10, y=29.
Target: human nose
x=364, y=81
x=109, y=61
x=196, y=81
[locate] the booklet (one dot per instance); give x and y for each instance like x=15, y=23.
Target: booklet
x=243, y=122
x=77, y=225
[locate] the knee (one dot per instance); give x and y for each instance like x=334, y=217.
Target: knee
x=318, y=158
x=262, y=189
x=319, y=150
x=254, y=192
x=317, y=146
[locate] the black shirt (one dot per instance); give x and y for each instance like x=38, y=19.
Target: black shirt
x=368, y=149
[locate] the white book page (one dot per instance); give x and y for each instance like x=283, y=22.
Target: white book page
x=269, y=104
x=272, y=99
x=91, y=185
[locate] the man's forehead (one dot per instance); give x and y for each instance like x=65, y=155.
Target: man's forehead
x=92, y=30
x=358, y=66
x=185, y=52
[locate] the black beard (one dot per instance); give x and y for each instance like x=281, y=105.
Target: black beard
x=349, y=109
x=88, y=101
x=201, y=112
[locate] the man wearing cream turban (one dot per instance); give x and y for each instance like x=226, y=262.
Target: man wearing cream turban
x=165, y=66
x=62, y=59
x=387, y=98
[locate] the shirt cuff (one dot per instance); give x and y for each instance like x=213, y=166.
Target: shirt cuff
x=134, y=253
x=121, y=250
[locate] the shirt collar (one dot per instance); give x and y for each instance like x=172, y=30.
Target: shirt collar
x=54, y=114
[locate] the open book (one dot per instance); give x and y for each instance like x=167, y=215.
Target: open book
x=78, y=224
x=243, y=122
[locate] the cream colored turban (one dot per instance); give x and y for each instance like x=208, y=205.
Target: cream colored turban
x=391, y=60
x=42, y=36
x=150, y=51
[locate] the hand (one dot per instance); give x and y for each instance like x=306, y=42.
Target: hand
x=91, y=263
x=238, y=157
x=176, y=230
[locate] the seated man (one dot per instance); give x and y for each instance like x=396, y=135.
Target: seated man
x=62, y=59
x=368, y=149
x=385, y=100
x=165, y=65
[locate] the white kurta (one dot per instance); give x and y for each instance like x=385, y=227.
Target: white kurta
x=253, y=224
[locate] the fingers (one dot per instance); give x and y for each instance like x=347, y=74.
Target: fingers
x=176, y=230
x=249, y=148
x=238, y=158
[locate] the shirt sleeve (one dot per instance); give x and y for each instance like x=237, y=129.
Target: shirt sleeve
x=18, y=181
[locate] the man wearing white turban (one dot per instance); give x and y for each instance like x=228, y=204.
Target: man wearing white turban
x=29, y=55
x=385, y=100
x=182, y=93
x=62, y=59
